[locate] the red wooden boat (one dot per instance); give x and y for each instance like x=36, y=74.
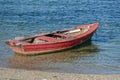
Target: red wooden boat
x=53, y=41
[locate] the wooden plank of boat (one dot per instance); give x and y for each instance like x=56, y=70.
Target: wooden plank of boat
x=54, y=41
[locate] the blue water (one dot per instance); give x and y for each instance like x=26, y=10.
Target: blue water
x=28, y=17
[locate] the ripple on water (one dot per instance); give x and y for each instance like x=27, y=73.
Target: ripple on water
x=28, y=17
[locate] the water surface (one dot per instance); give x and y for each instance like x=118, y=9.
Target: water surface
x=28, y=17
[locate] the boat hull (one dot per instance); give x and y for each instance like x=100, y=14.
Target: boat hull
x=34, y=49
x=51, y=47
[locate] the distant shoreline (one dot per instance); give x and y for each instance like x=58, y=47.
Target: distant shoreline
x=17, y=74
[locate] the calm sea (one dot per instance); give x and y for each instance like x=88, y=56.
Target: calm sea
x=28, y=17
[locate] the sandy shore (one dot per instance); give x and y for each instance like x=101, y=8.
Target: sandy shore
x=16, y=74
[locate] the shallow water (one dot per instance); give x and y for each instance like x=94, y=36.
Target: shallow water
x=28, y=17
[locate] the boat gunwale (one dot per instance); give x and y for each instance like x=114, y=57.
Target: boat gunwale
x=68, y=39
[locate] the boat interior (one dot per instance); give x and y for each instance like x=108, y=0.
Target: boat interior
x=58, y=35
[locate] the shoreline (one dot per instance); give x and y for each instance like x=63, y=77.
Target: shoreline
x=18, y=74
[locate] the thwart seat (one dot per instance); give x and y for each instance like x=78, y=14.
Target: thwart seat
x=42, y=39
x=61, y=35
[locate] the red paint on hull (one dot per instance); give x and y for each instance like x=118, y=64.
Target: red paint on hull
x=28, y=49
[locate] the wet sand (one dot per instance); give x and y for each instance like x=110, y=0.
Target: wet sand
x=17, y=74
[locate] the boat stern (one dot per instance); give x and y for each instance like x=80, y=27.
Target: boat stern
x=15, y=46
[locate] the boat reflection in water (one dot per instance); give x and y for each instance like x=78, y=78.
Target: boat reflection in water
x=55, y=61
